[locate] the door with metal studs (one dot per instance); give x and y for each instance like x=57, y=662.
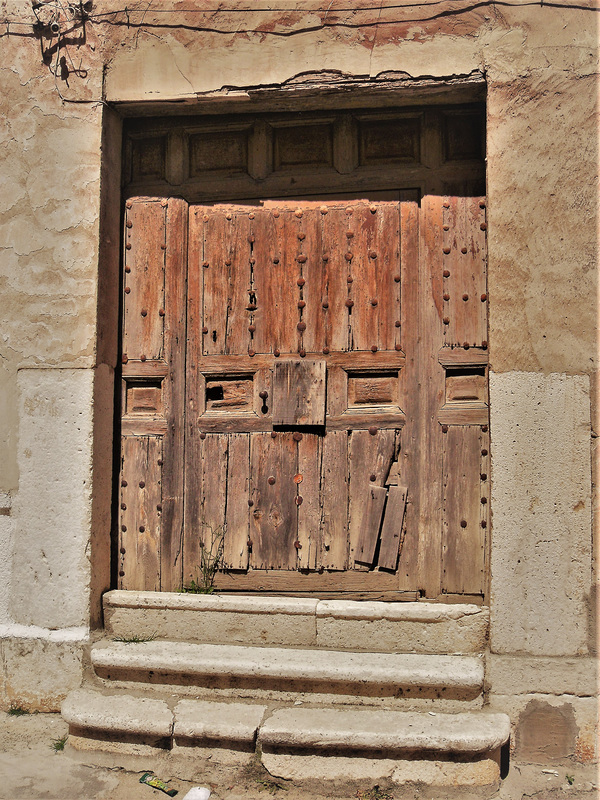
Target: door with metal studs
x=306, y=383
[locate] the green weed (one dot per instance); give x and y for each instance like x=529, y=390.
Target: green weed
x=58, y=745
x=211, y=561
x=17, y=711
x=135, y=639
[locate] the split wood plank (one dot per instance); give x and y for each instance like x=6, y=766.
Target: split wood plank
x=391, y=530
x=336, y=272
x=230, y=422
x=334, y=501
x=299, y=392
x=141, y=497
x=361, y=235
x=370, y=459
x=314, y=290
x=267, y=281
x=273, y=519
x=286, y=581
x=144, y=292
x=216, y=365
x=308, y=499
x=235, y=552
x=464, y=538
x=369, y=534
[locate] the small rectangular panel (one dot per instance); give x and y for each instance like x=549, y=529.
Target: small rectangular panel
x=303, y=146
x=299, y=393
x=464, y=136
x=466, y=385
x=143, y=398
x=218, y=150
x=229, y=393
x=390, y=140
x=372, y=390
x=148, y=157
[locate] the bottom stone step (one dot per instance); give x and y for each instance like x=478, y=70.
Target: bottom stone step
x=300, y=743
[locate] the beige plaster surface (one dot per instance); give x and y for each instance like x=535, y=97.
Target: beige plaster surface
x=527, y=675
x=541, y=557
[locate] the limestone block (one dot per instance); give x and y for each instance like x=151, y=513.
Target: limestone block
x=6, y=544
x=527, y=674
x=51, y=570
x=38, y=673
x=402, y=627
x=217, y=722
x=541, y=559
x=91, y=712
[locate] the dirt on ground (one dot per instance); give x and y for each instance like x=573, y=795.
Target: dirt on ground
x=36, y=763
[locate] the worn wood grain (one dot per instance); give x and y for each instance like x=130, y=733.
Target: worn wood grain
x=299, y=392
x=334, y=501
x=235, y=551
x=308, y=498
x=475, y=414
x=364, y=551
x=391, y=530
x=336, y=270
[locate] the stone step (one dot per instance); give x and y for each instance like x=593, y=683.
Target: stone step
x=360, y=626
x=302, y=743
x=290, y=669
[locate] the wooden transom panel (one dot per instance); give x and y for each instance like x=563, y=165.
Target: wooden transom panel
x=308, y=383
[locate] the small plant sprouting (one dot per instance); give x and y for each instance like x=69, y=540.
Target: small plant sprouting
x=135, y=639
x=211, y=560
x=570, y=779
x=17, y=711
x=58, y=745
x=373, y=794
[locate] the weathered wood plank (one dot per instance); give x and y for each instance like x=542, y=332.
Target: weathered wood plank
x=335, y=286
x=286, y=582
x=216, y=422
x=467, y=415
x=273, y=518
x=459, y=357
x=370, y=459
x=464, y=538
x=391, y=530
x=308, y=480
x=145, y=369
x=314, y=290
x=140, y=528
x=369, y=534
x=334, y=501
x=361, y=235
x=268, y=281
x=299, y=392
x=235, y=552
x=144, y=289
x=353, y=361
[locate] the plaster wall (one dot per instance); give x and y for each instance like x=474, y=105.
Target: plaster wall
x=541, y=68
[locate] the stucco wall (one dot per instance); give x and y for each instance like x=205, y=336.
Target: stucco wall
x=540, y=64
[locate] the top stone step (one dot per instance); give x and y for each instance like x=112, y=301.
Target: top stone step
x=359, y=626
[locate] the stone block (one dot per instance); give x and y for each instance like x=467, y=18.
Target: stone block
x=527, y=674
x=6, y=544
x=206, y=722
x=541, y=553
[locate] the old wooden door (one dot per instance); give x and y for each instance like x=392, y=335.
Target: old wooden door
x=321, y=402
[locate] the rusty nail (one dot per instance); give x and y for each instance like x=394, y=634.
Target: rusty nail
x=297, y=545
x=251, y=328
x=298, y=212
x=121, y=573
x=373, y=254
x=301, y=236
x=128, y=246
x=349, y=303
x=483, y=298
x=446, y=296
x=250, y=503
x=205, y=218
x=251, y=215
x=142, y=357
x=124, y=359
x=483, y=476
x=252, y=261
x=373, y=430
x=302, y=353
x=161, y=312
x=349, y=279
x=142, y=529
x=465, y=297
x=397, y=324
x=300, y=281
x=446, y=227
x=463, y=250
x=128, y=204
x=483, y=523
x=202, y=435
x=276, y=353
x=250, y=544
x=205, y=264
x=397, y=347
x=271, y=480
x=128, y=269
x=373, y=348
x=301, y=303
x=466, y=345
x=124, y=528
x=482, y=204
x=273, y=435
x=325, y=257
x=160, y=462
x=251, y=240
x=251, y=353
x=276, y=261
x=445, y=250
x=326, y=351
x=142, y=485
x=227, y=262
x=298, y=478
x=275, y=213
x=323, y=209
x=483, y=226
x=144, y=312
x=163, y=247
x=463, y=523
x=325, y=304
x=397, y=278
x=349, y=234
x=446, y=204
x=164, y=203
x=122, y=549
x=205, y=329
x=484, y=345
x=374, y=301
x=301, y=259
x=263, y=395
x=299, y=500
x=446, y=273
x=123, y=507
x=444, y=429
x=127, y=290
x=301, y=326
x=297, y=436
x=373, y=209
x=251, y=307
x=484, y=428
x=483, y=500
x=372, y=477
x=348, y=256
x=348, y=209
x=159, y=507
x=484, y=452
x=446, y=320
x=123, y=483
